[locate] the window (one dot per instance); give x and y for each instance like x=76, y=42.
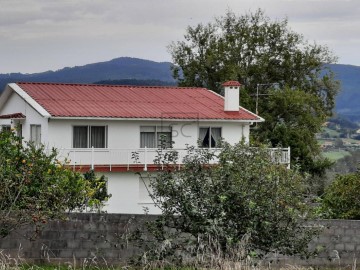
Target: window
x=90, y=136
x=35, y=134
x=209, y=137
x=6, y=128
x=19, y=130
x=153, y=137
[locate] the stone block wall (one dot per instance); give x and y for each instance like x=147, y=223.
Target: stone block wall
x=80, y=239
x=85, y=238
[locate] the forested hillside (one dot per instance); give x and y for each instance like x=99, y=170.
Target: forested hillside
x=134, y=71
x=348, y=100
x=116, y=69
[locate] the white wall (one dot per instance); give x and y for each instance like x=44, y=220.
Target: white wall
x=126, y=134
x=15, y=104
x=126, y=194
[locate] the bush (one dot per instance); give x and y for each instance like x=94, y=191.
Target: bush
x=341, y=199
x=35, y=186
x=245, y=205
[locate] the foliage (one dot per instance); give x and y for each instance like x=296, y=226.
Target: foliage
x=245, y=205
x=293, y=117
x=341, y=198
x=35, y=186
x=99, y=189
x=259, y=53
x=138, y=82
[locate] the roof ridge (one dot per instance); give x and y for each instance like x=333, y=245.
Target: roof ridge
x=110, y=85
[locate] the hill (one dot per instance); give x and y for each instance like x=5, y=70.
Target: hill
x=134, y=71
x=348, y=100
x=116, y=69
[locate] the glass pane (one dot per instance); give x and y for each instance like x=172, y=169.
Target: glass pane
x=80, y=137
x=147, y=139
x=35, y=134
x=215, y=136
x=164, y=139
x=19, y=130
x=97, y=137
x=6, y=128
x=204, y=137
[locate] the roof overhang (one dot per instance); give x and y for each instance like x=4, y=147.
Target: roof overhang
x=13, y=87
x=18, y=116
x=159, y=119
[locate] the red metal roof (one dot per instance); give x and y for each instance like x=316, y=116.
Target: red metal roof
x=88, y=100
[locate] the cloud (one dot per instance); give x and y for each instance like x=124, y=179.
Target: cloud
x=67, y=32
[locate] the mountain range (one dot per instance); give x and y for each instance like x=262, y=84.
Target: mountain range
x=134, y=71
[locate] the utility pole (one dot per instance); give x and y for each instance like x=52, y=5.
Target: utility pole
x=257, y=94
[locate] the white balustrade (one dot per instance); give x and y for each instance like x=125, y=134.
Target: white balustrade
x=144, y=156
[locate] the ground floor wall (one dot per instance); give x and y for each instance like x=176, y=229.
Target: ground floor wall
x=103, y=238
x=129, y=193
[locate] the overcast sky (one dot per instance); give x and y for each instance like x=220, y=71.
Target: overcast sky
x=40, y=35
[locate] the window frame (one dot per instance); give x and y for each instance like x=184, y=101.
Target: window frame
x=89, y=137
x=157, y=130
x=38, y=129
x=5, y=128
x=209, y=130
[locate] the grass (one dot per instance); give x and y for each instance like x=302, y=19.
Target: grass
x=331, y=132
x=336, y=155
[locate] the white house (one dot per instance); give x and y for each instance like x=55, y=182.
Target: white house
x=100, y=126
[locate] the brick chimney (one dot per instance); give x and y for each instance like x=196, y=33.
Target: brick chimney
x=231, y=99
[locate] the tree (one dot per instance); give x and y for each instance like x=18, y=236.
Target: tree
x=245, y=205
x=341, y=198
x=35, y=186
x=259, y=53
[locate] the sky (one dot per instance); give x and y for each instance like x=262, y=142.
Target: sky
x=41, y=35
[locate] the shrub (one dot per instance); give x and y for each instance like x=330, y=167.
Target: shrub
x=245, y=205
x=35, y=186
x=341, y=199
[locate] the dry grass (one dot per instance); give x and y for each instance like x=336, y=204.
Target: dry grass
x=212, y=262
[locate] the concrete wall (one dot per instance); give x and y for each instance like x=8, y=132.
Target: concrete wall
x=89, y=236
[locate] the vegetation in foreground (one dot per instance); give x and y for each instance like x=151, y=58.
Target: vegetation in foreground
x=245, y=206
x=36, y=187
x=341, y=199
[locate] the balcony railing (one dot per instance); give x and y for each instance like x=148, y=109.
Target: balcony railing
x=111, y=158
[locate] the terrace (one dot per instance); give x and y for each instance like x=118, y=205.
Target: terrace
x=122, y=160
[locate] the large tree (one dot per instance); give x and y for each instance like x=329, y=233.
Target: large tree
x=260, y=53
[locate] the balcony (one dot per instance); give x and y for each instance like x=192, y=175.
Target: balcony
x=122, y=160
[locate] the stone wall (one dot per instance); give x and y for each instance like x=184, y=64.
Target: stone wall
x=86, y=237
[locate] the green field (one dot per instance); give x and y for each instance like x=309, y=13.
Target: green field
x=335, y=155
x=332, y=133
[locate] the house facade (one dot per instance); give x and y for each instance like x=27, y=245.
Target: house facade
x=101, y=127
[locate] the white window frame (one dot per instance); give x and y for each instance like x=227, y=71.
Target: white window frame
x=157, y=130
x=5, y=127
x=209, y=127
x=88, y=131
x=37, y=139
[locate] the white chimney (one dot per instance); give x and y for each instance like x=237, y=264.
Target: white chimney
x=231, y=99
